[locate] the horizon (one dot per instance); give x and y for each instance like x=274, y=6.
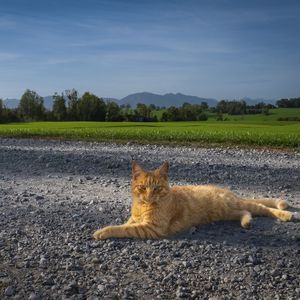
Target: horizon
x=218, y=50
x=156, y=94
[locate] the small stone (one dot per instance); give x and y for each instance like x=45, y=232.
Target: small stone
x=95, y=260
x=48, y=281
x=168, y=277
x=101, y=288
x=256, y=269
x=274, y=272
x=34, y=296
x=103, y=267
x=134, y=257
x=93, y=297
x=9, y=291
x=128, y=294
x=71, y=288
x=181, y=292
x=250, y=259
x=182, y=244
x=5, y=281
x=43, y=262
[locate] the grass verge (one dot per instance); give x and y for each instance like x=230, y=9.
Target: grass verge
x=275, y=134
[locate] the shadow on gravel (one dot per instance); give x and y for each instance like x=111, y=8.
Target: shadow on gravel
x=262, y=234
x=39, y=162
x=265, y=232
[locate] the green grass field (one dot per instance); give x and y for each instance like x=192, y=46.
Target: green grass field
x=250, y=130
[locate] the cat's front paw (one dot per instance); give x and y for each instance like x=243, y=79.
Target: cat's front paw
x=102, y=234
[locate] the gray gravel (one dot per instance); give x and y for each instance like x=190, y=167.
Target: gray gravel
x=55, y=194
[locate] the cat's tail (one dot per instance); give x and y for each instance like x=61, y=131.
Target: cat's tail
x=257, y=208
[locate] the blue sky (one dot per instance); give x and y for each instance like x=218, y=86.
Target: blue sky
x=219, y=49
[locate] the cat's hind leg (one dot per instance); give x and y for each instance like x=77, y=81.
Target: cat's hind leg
x=270, y=202
x=258, y=209
x=243, y=216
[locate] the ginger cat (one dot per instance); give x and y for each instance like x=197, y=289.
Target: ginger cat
x=159, y=210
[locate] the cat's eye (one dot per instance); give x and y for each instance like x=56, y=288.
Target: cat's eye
x=141, y=188
x=157, y=188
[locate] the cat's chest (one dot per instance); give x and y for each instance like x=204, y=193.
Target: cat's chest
x=144, y=212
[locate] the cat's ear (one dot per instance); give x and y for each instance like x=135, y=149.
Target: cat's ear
x=164, y=169
x=136, y=169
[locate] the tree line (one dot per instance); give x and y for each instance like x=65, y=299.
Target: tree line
x=288, y=103
x=69, y=106
x=235, y=107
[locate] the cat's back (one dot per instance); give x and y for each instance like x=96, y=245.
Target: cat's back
x=205, y=193
x=199, y=203
x=189, y=190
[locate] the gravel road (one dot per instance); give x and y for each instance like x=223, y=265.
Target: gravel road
x=54, y=194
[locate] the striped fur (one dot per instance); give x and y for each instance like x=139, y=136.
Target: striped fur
x=159, y=210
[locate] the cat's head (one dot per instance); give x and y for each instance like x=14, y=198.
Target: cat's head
x=150, y=186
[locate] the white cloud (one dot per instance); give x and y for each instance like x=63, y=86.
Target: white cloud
x=6, y=56
x=6, y=22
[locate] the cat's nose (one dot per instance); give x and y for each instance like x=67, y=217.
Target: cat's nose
x=149, y=193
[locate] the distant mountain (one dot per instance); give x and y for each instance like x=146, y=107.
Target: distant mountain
x=13, y=103
x=111, y=99
x=48, y=102
x=166, y=100
x=251, y=101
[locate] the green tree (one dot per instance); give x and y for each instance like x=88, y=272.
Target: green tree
x=153, y=107
x=9, y=115
x=91, y=108
x=236, y=107
x=59, y=107
x=127, y=112
x=143, y=111
x=265, y=111
x=231, y=107
x=186, y=112
x=283, y=103
x=112, y=112
x=171, y=114
x=1, y=110
x=286, y=103
x=31, y=106
x=190, y=112
x=72, y=109
x=222, y=107
x=219, y=116
x=202, y=117
x=204, y=106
